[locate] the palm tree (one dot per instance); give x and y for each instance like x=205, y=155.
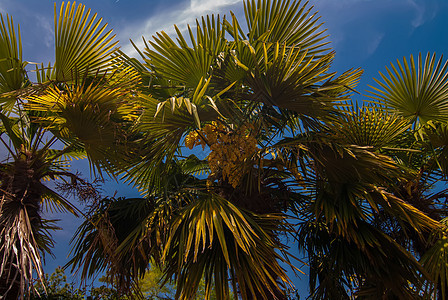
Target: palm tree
x=77, y=108
x=357, y=213
x=417, y=90
x=233, y=93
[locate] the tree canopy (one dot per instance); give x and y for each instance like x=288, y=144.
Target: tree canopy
x=239, y=137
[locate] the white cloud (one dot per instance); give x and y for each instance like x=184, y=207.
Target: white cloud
x=181, y=16
x=205, y=6
x=424, y=11
x=374, y=43
x=4, y=6
x=48, y=31
x=419, y=14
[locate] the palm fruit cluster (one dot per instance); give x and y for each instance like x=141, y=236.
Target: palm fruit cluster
x=231, y=149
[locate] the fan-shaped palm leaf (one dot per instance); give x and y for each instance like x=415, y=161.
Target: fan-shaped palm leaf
x=110, y=223
x=283, y=76
x=123, y=235
x=348, y=188
x=357, y=271
x=93, y=114
x=370, y=126
x=437, y=133
x=184, y=64
x=81, y=43
x=419, y=92
x=12, y=68
x=285, y=22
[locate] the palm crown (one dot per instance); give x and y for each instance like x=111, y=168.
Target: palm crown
x=46, y=124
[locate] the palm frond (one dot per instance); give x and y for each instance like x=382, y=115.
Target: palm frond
x=285, y=22
x=82, y=44
x=283, y=76
x=211, y=236
x=370, y=126
x=184, y=64
x=356, y=270
x=194, y=166
x=52, y=201
x=91, y=114
x=12, y=69
x=418, y=92
x=435, y=262
x=96, y=241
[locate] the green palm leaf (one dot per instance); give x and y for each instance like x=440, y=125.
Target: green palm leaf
x=184, y=64
x=435, y=262
x=285, y=22
x=370, y=126
x=283, y=76
x=111, y=223
x=211, y=235
x=12, y=69
x=93, y=114
x=419, y=92
x=357, y=271
x=82, y=44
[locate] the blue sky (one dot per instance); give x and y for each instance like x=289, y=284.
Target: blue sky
x=368, y=34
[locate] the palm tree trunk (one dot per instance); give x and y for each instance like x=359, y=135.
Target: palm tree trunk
x=9, y=287
x=19, y=222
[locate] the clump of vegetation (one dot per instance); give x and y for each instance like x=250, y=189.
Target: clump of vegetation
x=289, y=153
